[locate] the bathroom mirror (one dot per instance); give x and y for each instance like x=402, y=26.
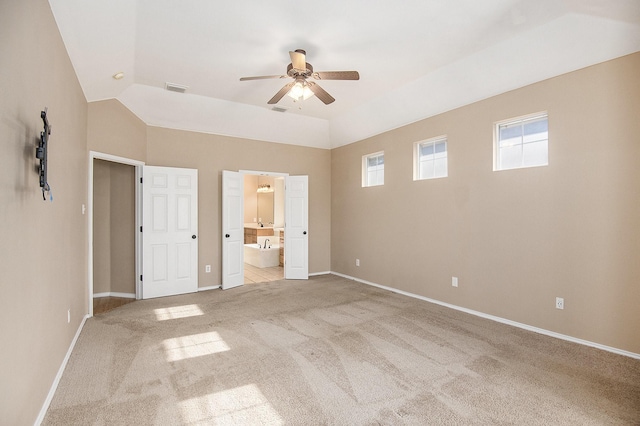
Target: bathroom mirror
x=265, y=207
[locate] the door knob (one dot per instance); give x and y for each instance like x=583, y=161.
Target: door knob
x=227, y=235
x=304, y=233
x=193, y=236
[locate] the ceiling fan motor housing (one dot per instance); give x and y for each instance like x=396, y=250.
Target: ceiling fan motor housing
x=293, y=72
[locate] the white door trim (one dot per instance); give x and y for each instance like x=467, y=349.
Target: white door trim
x=257, y=172
x=138, y=218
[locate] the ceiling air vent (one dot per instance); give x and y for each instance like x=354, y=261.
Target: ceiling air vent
x=172, y=87
x=279, y=109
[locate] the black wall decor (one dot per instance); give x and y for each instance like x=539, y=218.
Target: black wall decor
x=41, y=153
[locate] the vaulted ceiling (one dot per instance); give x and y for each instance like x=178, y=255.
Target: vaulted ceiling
x=416, y=58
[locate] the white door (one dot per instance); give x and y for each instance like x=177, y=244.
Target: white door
x=232, y=229
x=296, y=238
x=169, y=231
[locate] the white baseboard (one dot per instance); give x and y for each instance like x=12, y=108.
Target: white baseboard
x=211, y=287
x=313, y=274
x=498, y=319
x=56, y=381
x=114, y=294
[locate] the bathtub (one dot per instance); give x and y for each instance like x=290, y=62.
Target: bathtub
x=260, y=257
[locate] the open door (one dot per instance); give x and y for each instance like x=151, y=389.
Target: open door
x=232, y=229
x=296, y=263
x=169, y=231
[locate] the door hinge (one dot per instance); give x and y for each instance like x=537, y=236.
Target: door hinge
x=140, y=180
x=140, y=277
x=141, y=229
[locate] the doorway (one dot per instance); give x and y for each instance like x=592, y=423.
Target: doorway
x=296, y=238
x=264, y=227
x=114, y=217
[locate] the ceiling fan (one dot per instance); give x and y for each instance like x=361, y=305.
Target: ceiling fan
x=300, y=70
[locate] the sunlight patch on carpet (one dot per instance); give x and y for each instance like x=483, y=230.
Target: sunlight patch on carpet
x=175, y=312
x=192, y=346
x=241, y=405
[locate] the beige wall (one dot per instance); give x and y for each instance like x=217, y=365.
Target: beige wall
x=113, y=129
x=211, y=154
x=113, y=228
x=43, y=245
x=101, y=227
x=123, y=228
x=516, y=239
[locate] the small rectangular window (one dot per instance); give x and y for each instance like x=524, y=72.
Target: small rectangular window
x=522, y=142
x=430, y=159
x=373, y=169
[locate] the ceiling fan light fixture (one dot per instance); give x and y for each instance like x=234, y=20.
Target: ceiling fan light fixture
x=300, y=91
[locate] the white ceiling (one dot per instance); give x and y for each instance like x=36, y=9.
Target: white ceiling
x=416, y=58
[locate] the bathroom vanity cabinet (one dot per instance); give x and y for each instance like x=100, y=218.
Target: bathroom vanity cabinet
x=282, y=248
x=251, y=234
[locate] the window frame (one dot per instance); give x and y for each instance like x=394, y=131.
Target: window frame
x=417, y=156
x=510, y=122
x=365, y=169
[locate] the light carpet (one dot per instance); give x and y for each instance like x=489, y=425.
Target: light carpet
x=331, y=351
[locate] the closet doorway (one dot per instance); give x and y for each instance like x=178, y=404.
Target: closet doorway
x=113, y=241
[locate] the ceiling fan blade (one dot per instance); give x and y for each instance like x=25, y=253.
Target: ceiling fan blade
x=298, y=59
x=336, y=75
x=281, y=93
x=320, y=93
x=262, y=77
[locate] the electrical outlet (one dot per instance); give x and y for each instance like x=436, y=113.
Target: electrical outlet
x=559, y=303
x=454, y=281
x=69, y=316
x=207, y=268
x=357, y=262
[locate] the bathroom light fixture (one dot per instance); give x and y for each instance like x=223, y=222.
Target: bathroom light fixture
x=118, y=75
x=264, y=188
x=300, y=90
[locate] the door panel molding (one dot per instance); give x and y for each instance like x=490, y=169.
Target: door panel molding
x=170, y=229
x=232, y=229
x=296, y=229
